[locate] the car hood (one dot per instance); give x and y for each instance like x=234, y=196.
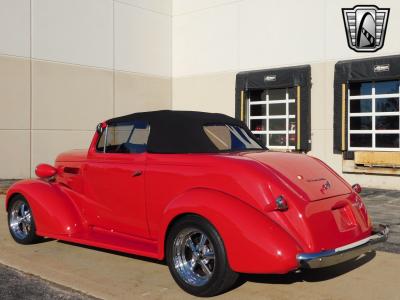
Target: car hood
x=308, y=175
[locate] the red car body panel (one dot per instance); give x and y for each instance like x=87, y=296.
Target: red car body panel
x=100, y=199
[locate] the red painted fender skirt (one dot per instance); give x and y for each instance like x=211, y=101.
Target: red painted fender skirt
x=253, y=242
x=53, y=210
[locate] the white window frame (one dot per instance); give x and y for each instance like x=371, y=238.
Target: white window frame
x=267, y=117
x=372, y=114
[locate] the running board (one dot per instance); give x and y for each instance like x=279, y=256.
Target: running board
x=106, y=239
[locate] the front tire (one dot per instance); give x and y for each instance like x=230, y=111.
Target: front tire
x=196, y=258
x=20, y=221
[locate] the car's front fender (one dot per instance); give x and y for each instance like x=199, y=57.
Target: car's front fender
x=254, y=243
x=53, y=210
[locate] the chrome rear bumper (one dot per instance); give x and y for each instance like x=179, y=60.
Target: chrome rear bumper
x=335, y=256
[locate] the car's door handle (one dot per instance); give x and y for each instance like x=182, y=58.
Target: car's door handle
x=137, y=173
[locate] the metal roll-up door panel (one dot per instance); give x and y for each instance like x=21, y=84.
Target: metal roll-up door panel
x=298, y=78
x=373, y=69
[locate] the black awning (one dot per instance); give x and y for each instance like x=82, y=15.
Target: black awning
x=274, y=78
x=368, y=69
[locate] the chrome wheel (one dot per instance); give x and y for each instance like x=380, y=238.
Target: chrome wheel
x=20, y=220
x=194, y=257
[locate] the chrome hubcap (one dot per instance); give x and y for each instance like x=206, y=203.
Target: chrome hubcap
x=20, y=220
x=194, y=257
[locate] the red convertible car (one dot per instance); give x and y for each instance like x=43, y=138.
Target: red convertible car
x=200, y=191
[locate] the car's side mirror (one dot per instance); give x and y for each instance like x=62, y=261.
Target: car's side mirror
x=45, y=171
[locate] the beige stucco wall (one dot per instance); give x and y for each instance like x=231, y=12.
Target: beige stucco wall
x=66, y=65
x=207, y=92
x=49, y=107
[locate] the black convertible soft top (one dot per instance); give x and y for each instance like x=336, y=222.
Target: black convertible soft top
x=180, y=131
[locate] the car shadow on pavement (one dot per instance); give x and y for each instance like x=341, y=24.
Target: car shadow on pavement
x=309, y=275
x=306, y=275
x=133, y=256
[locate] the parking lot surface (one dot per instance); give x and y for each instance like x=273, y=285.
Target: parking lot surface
x=384, y=208
x=15, y=284
x=110, y=275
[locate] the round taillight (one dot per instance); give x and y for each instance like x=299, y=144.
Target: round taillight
x=281, y=203
x=45, y=171
x=357, y=188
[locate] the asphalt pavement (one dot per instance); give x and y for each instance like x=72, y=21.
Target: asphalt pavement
x=15, y=284
x=384, y=208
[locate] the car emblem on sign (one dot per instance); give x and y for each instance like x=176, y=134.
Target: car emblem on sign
x=365, y=27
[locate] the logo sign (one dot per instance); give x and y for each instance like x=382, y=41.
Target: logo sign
x=381, y=68
x=270, y=78
x=365, y=27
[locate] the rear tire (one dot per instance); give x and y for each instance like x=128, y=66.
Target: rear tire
x=21, y=222
x=196, y=258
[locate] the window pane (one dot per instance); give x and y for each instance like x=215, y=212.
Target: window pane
x=360, y=123
x=277, y=124
x=387, y=87
x=292, y=108
x=360, y=106
x=360, y=88
x=277, y=109
x=274, y=109
x=277, y=94
x=258, y=110
x=360, y=140
x=387, y=140
x=126, y=138
x=277, y=140
x=262, y=138
x=387, y=122
x=256, y=95
x=258, y=125
x=292, y=140
x=140, y=136
x=292, y=124
x=118, y=135
x=226, y=137
x=386, y=104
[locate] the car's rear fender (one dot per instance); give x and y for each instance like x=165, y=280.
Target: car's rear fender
x=53, y=210
x=253, y=242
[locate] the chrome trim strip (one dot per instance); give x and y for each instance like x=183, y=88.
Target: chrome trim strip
x=341, y=254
